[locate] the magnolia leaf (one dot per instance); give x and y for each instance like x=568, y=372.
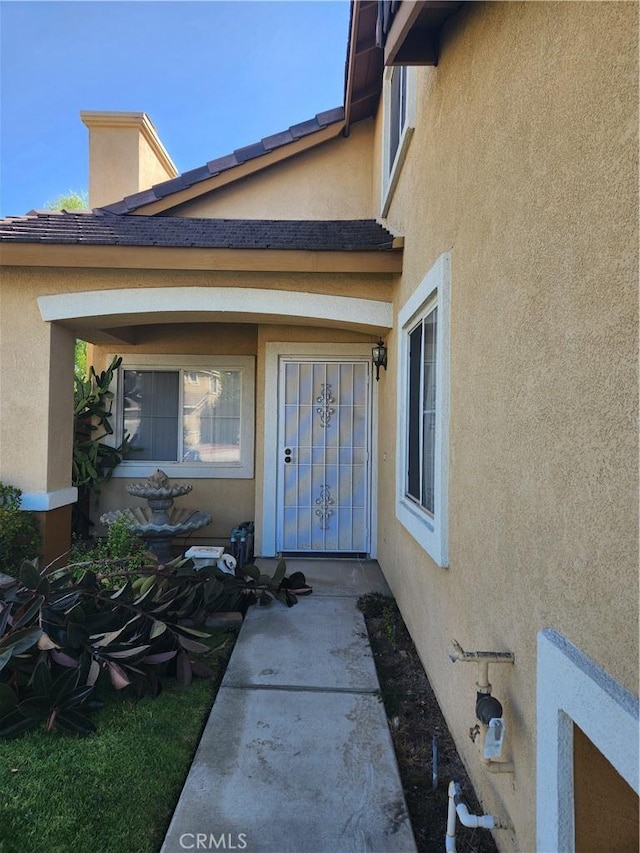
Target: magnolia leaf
x=35, y=707
x=124, y=592
x=118, y=676
x=27, y=613
x=157, y=629
x=77, y=635
x=279, y=574
x=75, y=721
x=15, y=724
x=40, y=681
x=147, y=584
x=8, y=699
x=20, y=641
x=183, y=669
x=64, y=686
x=201, y=670
x=94, y=672
x=192, y=645
x=5, y=657
x=160, y=657
x=64, y=659
x=182, y=629
x=29, y=575
x=45, y=643
x=89, y=580
x=75, y=697
x=146, y=593
x=252, y=571
x=43, y=587
x=102, y=640
x=127, y=653
x=5, y=612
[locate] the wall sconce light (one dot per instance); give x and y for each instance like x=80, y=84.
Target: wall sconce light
x=379, y=357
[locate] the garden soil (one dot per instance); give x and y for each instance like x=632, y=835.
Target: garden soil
x=414, y=719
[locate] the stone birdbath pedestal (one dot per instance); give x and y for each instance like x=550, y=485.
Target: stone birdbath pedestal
x=160, y=521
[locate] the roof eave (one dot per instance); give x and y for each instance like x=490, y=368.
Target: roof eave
x=31, y=254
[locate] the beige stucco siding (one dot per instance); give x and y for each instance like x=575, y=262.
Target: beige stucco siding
x=228, y=501
x=43, y=397
x=36, y=364
x=125, y=156
x=524, y=166
x=332, y=181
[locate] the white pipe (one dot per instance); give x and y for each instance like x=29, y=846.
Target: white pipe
x=484, y=821
x=458, y=809
x=450, y=840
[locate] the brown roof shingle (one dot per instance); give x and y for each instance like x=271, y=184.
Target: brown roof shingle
x=103, y=228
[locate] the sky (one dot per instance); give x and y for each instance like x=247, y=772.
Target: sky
x=212, y=75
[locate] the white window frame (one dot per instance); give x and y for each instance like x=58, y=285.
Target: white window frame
x=391, y=168
x=244, y=468
x=431, y=531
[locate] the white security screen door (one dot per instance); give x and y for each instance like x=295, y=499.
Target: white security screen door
x=323, y=469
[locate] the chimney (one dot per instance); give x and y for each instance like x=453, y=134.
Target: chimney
x=125, y=156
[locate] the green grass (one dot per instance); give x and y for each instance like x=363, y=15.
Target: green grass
x=111, y=792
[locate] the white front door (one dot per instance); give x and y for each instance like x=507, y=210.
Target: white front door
x=323, y=456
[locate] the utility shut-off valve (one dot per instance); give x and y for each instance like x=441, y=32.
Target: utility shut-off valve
x=488, y=709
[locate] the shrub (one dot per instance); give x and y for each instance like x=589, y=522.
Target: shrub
x=19, y=531
x=122, y=550
x=93, y=461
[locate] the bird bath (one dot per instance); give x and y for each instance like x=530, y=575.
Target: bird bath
x=159, y=522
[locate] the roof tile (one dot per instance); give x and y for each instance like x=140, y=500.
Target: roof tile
x=228, y=161
x=168, y=187
x=136, y=199
x=277, y=140
x=249, y=152
x=304, y=128
x=102, y=228
x=221, y=164
x=330, y=116
x=194, y=176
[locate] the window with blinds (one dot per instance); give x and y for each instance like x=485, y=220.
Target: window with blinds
x=187, y=415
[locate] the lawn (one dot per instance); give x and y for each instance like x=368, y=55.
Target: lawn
x=113, y=791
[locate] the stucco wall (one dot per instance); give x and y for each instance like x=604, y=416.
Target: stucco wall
x=524, y=166
x=36, y=386
x=125, y=156
x=38, y=406
x=228, y=501
x=332, y=181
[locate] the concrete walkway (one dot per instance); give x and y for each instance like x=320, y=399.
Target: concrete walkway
x=296, y=756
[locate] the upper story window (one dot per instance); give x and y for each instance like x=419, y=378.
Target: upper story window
x=423, y=413
x=187, y=416
x=399, y=123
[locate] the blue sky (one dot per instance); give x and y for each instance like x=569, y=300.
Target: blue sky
x=213, y=75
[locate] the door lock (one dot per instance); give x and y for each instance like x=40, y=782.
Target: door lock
x=287, y=454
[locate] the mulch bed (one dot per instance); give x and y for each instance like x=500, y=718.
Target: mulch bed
x=414, y=718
